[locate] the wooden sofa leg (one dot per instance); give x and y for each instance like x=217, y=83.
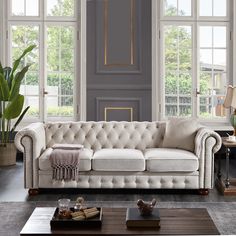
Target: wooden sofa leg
x=33, y=191
x=203, y=191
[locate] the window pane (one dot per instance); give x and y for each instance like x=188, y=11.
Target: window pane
x=212, y=71
x=171, y=83
x=170, y=7
x=60, y=70
x=25, y=7
x=67, y=60
x=185, y=84
x=219, y=35
x=177, y=67
x=33, y=102
x=185, y=56
x=205, y=8
x=213, y=8
x=205, y=82
x=22, y=37
x=53, y=59
x=219, y=59
x=18, y=7
x=184, y=7
x=205, y=36
x=32, y=7
x=206, y=58
x=219, y=8
x=60, y=7
x=177, y=7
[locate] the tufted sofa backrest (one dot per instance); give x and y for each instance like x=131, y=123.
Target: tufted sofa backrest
x=98, y=135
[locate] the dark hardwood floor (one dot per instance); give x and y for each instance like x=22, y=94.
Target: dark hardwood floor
x=12, y=189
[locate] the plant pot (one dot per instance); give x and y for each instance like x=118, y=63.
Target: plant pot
x=8, y=154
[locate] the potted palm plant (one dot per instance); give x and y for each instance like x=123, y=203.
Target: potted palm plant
x=11, y=106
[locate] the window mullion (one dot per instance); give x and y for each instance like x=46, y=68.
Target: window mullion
x=212, y=10
x=178, y=76
x=195, y=55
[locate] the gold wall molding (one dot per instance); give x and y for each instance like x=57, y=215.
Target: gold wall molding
x=107, y=109
x=132, y=36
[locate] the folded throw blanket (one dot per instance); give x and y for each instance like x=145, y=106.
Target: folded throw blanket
x=67, y=146
x=65, y=163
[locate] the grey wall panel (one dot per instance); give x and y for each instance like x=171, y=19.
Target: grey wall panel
x=118, y=108
x=119, y=58
x=118, y=36
x=139, y=100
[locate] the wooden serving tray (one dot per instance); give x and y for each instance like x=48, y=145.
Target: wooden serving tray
x=57, y=223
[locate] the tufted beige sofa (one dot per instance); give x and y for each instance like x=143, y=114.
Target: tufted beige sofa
x=118, y=155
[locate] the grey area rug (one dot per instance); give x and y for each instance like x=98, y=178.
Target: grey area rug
x=13, y=215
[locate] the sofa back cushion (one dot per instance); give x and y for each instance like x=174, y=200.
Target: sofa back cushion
x=180, y=133
x=98, y=135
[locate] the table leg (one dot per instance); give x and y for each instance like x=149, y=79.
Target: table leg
x=227, y=183
x=219, y=167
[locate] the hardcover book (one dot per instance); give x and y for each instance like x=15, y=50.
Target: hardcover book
x=134, y=219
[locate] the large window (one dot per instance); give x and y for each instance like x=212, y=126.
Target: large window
x=51, y=81
x=195, y=47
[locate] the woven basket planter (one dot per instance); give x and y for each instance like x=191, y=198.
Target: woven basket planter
x=8, y=154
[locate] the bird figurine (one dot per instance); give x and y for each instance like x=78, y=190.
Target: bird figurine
x=146, y=208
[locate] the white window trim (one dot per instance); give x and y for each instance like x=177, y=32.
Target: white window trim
x=156, y=104
x=82, y=85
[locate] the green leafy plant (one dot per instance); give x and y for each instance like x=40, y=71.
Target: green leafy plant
x=11, y=101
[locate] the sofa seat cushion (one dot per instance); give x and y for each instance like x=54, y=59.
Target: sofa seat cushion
x=118, y=160
x=84, y=163
x=170, y=160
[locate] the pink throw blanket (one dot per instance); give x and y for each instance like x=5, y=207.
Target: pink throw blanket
x=65, y=162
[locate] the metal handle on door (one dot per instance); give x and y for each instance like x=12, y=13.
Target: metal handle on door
x=197, y=92
x=45, y=92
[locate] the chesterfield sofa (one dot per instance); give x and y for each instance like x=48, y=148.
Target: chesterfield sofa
x=178, y=154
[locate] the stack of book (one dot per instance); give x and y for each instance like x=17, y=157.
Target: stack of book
x=134, y=219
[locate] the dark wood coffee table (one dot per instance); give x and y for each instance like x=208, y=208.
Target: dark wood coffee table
x=175, y=221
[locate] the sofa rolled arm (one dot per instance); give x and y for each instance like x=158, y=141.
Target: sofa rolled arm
x=36, y=132
x=207, y=143
x=200, y=139
x=31, y=141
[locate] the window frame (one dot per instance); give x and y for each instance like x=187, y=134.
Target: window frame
x=228, y=67
x=43, y=20
x=162, y=62
x=56, y=23
x=9, y=61
x=173, y=18
x=158, y=20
